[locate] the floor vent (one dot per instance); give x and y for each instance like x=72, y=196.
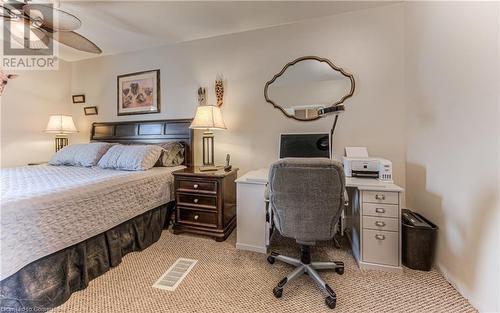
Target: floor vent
x=175, y=274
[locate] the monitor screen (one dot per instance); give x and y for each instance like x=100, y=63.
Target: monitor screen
x=304, y=146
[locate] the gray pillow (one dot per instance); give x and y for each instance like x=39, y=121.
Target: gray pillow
x=172, y=154
x=87, y=154
x=131, y=157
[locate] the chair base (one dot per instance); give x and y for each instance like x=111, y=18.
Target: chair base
x=308, y=268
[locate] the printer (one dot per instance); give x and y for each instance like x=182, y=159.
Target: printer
x=357, y=163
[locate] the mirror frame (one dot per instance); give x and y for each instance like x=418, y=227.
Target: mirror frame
x=330, y=63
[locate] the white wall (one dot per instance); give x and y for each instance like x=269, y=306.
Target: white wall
x=26, y=104
x=367, y=43
x=452, y=87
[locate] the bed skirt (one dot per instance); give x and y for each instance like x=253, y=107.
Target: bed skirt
x=49, y=281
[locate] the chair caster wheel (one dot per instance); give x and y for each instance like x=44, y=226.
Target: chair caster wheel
x=278, y=292
x=271, y=259
x=340, y=269
x=331, y=302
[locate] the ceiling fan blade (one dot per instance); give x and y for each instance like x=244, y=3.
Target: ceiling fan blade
x=76, y=41
x=52, y=18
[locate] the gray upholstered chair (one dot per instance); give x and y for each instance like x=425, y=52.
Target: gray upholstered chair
x=306, y=197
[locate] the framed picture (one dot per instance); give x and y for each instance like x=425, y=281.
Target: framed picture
x=90, y=110
x=139, y=93
x=78, y=98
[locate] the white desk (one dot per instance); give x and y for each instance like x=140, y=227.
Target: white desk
x=374, y=217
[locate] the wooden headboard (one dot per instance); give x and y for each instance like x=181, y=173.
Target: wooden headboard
x=148, y=132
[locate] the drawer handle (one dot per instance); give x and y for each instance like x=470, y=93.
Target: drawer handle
x=380, y=197
x=196, y=200
x=380, y=210
x=379, y=224
x=380, y=237
x=196, y=217
x=195, y=186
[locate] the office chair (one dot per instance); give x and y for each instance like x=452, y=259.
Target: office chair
x=306, y=197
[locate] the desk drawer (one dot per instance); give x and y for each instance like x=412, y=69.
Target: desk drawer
x=196, y=218
x=380, y=223
x=198, y=186
x=208, y=202
x=381, y=197
x=380, y=210
x=381, y=247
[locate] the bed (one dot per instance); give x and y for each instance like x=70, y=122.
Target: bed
x=62, y=226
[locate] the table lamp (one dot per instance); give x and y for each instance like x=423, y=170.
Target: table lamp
x=208, y=117
x=61, y=125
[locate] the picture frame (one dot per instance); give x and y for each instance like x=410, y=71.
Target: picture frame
x=138, y=93
x=78, y=98
x=90, y=110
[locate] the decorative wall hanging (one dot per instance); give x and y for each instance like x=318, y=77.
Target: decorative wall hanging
x=138, y=93
x=90, y=110
x=202, y=96
x=4, y=80
x=219, y=89
x=78, y=98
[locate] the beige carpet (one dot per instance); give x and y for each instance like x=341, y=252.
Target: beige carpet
x=229, y=280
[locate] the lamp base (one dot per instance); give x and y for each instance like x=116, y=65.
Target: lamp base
x=209, y=168
x=208, y=148
x=60, y=142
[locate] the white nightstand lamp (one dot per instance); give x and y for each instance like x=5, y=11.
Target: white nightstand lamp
x=61, y=125
x=208, y=117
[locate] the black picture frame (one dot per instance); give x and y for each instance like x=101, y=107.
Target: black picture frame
x=155, y=107
x=78, y=98
x=90, y=110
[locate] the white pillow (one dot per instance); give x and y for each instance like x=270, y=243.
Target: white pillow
x=131, y=157
x=87, y=154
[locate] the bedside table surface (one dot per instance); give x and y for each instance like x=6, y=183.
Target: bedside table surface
x=196, y=172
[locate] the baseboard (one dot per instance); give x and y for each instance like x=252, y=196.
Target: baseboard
x=454, y=285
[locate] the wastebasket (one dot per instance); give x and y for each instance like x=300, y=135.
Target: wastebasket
x=419, y=241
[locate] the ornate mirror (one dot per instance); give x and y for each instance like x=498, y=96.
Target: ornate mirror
x=306, y=85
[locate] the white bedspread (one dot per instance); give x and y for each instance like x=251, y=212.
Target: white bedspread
x=48, y=208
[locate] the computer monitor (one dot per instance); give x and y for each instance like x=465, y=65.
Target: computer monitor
x=306, y=145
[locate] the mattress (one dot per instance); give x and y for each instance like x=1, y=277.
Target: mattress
x=48, y=208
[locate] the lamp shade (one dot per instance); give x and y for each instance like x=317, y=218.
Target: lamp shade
x=208, y=117
x=61, y=124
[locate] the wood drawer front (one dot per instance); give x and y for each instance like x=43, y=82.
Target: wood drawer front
x=198, y=186
x=381, y=197
x=208, y=202
x=380, y=210
x=381, y=247
x=380, y=223
x=193, y=217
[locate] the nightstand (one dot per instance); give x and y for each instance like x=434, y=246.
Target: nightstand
x=206, y=202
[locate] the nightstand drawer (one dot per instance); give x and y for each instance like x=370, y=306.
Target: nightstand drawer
x=381, y=197
x=380, y=223
x=381, y=247
x=380, y=210
x=209, y=202
x=193, y=217
x=198, y=186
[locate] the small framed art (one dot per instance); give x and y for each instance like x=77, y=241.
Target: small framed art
x=78, y=98
x=90, y=110
x=138, y=93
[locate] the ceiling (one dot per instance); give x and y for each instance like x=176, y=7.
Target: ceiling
x=123, y=26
